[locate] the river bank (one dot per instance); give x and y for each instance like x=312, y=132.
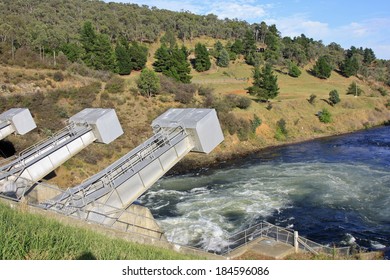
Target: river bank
x=228, y=154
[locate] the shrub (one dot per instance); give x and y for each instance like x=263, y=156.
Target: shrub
x=294, y=71
x=325, y=116
x=382, y=91
x=281, y=130
x=148, y=82
x=115, y=85
x=334, y=97
x=354, y=89
x=229, y=122
x=243, y=102
x=256, y=122
x=58, y=76
x=312, y=99
x=205, y=91
x=184, y=97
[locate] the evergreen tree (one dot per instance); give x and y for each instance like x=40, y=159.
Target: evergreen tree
x=138, y=56
x=97, y=48
x=223, y=58
x=369, y=56
x=249, y=43
x=237, y=47
x=161, y=63
x=322, y=69
x=88, y=40
x=273, y=42
x=123, y=59
x=354, y=89
x=202, y=58
x=72, y=51
x=265, y=83
x=334, y=97
x=173, y=63
x=350, y=66
x=103, y=56
x=148, y=82
x=293, y=70
x=217, y=48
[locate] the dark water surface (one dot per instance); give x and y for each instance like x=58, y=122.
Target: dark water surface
x=333, y=191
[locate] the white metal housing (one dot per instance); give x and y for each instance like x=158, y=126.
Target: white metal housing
x=202, y=125
x=18, y=120
x=104, y=123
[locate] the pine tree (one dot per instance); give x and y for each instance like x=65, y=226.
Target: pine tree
x=123, y=59
x=223, y=58
x=237, y=47
x=88, y=41
x=138, y=56
x=265, y=83
x=350, y=67
x=97, y=47
x=249, y=43
x=173, y=63
x=322, y=69
x=202, y=58
x=369, y=56
x=162, y=55
x=103, y=56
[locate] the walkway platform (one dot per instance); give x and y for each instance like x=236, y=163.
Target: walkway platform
x=264, y=246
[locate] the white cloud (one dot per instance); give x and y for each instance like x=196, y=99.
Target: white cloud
x=243, y=10
x=299, y=24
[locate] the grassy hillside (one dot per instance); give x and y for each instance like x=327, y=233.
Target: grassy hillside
x=27, y=236
x=55, y=95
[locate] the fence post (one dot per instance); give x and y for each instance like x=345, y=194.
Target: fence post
x=296, y=246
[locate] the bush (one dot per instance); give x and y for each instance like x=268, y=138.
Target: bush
x=115, y=85
x=325, y=116
x=58, y=76
x=205, y=91
x=334, y=97
x=281, y=130
x=312, y=99
x=184, y=97
x=256, y=122
x=294, y=71
x=354, y=89
x=382, y=91
x=243, y=102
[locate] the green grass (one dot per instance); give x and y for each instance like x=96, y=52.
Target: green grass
x=29, y=236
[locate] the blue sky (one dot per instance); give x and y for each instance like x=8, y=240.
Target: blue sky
x=348, y=23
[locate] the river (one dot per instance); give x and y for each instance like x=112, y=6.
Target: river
x=334, y=191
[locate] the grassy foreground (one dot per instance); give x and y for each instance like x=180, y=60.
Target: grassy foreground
x=26, y=236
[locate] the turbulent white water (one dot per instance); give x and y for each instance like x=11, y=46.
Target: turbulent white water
x=335, y=201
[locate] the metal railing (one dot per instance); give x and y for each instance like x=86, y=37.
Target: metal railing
x=281, y=235
x=123, y=220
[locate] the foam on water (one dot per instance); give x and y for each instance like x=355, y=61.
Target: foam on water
x=335, y=195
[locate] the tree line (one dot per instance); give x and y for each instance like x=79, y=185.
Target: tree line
x=114, y=37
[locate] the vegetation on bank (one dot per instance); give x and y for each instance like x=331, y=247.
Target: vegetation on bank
x=26, y=236
x=267, y=89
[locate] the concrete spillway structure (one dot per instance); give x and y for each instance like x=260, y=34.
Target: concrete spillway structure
x=16, y=120
x=176, y=132
x=34, y=163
